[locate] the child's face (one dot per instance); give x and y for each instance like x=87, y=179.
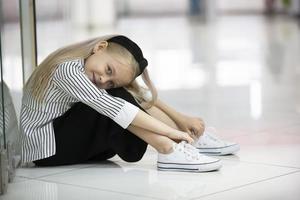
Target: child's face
x=107, y=72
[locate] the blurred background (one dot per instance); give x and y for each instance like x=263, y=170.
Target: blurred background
x=235, y=63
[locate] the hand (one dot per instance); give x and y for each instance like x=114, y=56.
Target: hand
x=192, y=125
x=179, y=136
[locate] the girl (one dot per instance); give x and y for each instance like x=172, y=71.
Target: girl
x=82, y=103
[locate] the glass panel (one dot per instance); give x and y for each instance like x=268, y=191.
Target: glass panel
x=59, y=23
x=11, y=80
x=2, y=136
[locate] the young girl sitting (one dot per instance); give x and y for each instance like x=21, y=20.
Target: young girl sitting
x=82, y=103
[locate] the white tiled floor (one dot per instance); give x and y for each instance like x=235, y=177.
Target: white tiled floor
x=241, y=74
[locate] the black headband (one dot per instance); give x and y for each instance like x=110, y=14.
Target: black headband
x=133, y=48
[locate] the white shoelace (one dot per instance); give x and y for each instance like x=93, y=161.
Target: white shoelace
x=189, y=150
x=210, y=134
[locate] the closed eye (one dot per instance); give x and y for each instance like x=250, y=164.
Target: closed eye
x=109, y=70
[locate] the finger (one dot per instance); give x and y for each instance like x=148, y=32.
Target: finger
x=188, y=138
x=200, y=132
x=191, y=139
x=192, y=134
x=202, y=123
x=182, y=137
x=195, y=135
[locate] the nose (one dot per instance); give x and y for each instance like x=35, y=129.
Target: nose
x=103, y=79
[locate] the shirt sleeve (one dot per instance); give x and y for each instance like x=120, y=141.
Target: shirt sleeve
x=69, y=78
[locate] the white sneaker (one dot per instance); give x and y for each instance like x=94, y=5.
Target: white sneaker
x=210, y=144
x=186, y=157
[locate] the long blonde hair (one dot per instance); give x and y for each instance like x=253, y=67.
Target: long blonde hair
x=40, y=79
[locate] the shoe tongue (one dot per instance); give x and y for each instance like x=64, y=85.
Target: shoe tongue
x=208, y=137
x=214, y=140
x=213, y=137
x=188, y=146
x=179, y=145
x=174, y=145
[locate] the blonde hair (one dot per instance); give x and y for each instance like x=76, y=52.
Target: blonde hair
x=40, y=79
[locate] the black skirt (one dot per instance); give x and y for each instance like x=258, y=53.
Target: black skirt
x=83, y=135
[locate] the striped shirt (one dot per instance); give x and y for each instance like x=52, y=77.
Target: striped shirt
x=69, y=85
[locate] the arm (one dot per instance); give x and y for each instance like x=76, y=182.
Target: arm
x=176, y=116
x=147, y=122
x=192, y=125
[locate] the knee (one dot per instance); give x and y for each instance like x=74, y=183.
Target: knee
x=133, y=156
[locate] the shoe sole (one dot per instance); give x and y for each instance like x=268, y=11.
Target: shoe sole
x=220, y=151
x=202, y=167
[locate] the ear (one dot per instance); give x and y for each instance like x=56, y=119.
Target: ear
x=100, y=46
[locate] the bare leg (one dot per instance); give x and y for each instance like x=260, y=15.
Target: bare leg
x=161, y=143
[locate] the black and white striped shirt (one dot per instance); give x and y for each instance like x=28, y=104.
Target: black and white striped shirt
x=69, y=85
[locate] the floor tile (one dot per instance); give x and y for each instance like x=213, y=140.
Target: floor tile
x=34, y=172
x=19, y=179
x=283, y=187
x=274, y=148
x=41, y=190
x=142, y=178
